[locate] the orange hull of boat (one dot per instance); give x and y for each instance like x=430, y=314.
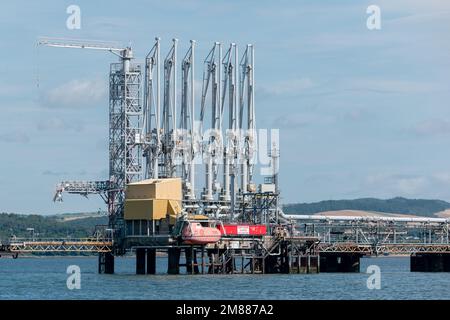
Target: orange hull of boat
x=195, y=233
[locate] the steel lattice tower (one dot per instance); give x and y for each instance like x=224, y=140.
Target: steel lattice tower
x=125, y=135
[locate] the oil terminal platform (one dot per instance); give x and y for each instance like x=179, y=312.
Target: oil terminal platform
x=160, y=133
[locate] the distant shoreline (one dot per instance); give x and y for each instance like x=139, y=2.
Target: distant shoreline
x=160, y=254
x=129, y=255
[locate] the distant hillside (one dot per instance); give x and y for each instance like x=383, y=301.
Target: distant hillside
x=399, y=205
x=57, y=226
x=83, y=224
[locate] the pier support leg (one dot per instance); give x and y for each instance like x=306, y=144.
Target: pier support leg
x=270, y=264
x=285, y=258
x=339, y=262
x=173, y=266
x=151, y=261
x=214, y=266
x=203, y=259
x=194, y=261
x=430, y=262
x=211, y=263
x=140, y=261
x=290, y=260
x=109, y=263
x=189, y=261
x=105, y=263
x=314, y=264
x=303, y=261
x=253, y=265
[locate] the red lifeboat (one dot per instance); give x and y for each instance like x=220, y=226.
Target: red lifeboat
x=195, y=233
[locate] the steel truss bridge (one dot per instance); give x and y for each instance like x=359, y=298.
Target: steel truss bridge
x=88, y=245
x=335, y=234
x=376, y=235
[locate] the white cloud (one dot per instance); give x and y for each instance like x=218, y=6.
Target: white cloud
x=398, y=184
x=75, y=94
x=419, y=19
x=290, y=87
x=432, y=127
x=54, y=173
x=288, y=122
x=58, y=124
x=357, y=114
x=417, y=6
x=443, y=177
x=12, y=90
x=391, y=85
x=431, y=185
x=14, y=137
x=299, y=120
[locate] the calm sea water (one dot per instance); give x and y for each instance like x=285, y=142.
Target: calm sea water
x=45, y=278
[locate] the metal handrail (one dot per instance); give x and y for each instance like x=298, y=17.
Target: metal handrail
x=65, y=240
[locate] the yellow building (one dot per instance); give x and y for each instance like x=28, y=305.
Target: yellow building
x=152, y=205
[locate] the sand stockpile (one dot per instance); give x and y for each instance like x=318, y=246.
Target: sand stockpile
x=362, y=213
x=443, y=214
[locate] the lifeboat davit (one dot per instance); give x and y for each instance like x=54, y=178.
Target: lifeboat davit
x=195, y=233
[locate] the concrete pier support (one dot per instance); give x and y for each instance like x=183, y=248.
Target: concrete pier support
x=339, y=262
x=151, y=261
x=140, y=261
x=188, y=253
x=304, y=264
x=430, y=262
x=105, y=263
x=272, y=265
x=213, y=258
x=195, y=261
x=203, y=259
x=284, y=258
x=173, y=266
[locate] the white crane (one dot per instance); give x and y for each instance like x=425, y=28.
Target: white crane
x=125, y=128
x=229, y=93
x=152, y=133
x=124, y=53
x=247, y=105
x=169, y=112
x=212, y=147
x=152, y=109
x=187, y=123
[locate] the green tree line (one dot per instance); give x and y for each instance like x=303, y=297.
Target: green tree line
x=47, y=226
x=420, y=207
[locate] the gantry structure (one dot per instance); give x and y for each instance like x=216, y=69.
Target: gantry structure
x=158, y=129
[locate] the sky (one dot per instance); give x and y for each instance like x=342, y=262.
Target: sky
x=361, y=113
